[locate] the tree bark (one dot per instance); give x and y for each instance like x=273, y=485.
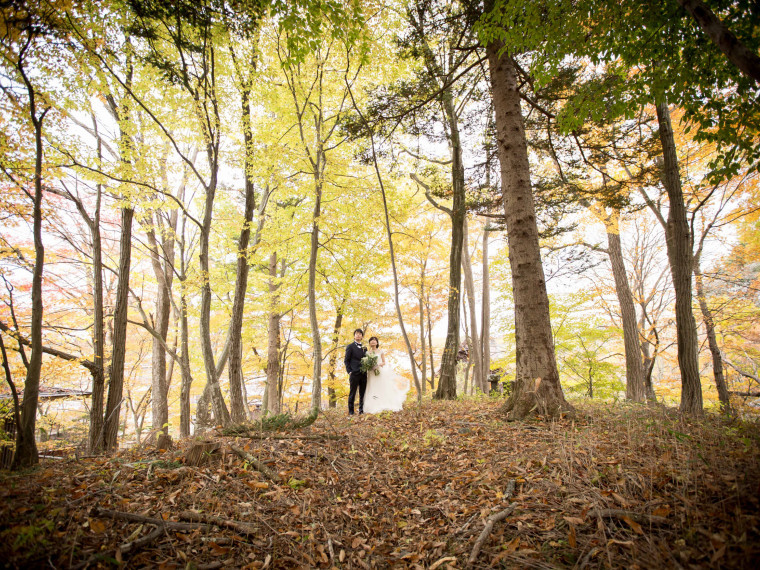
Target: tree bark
x=537, y=386
x=634, y=370
x=679, y=245
x=272, y=403
x=119, y=348
x=736, y=52
x=712, y=341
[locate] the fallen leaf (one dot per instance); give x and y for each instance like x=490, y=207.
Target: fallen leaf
x=633, y=524
x=437, y=563
x=98, y=526
x=571, y=537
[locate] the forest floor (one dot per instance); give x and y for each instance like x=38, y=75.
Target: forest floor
x=443, y=485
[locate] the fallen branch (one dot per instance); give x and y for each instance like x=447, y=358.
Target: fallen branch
x=126, y=547
x=487, y=530
x=131, y=517
x=309, y=437
x=638, y=517
x=242, y=528
x=260, y=467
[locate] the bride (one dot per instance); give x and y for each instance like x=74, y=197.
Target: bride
x=385, y=390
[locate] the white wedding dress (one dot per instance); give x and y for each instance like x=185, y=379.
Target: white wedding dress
x=385, y=391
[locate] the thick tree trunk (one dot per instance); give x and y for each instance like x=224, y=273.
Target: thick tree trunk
x=272, y=403
x=478, y=379
x=712, y=341
x=634, y=369
x=485, y=337
x=679, y=245
x=537, y=386
x=26, y=447
x=119, y=347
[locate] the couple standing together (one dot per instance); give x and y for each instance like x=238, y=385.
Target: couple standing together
x=379, y=389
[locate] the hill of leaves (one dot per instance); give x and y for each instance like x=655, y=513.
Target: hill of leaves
x=444, y=485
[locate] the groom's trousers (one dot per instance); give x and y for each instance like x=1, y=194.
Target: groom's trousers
x=357, y=381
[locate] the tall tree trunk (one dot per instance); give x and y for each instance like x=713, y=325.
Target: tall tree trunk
x=119, y=348
x=430, y=344
x=478, y=379
x=95, y=436
x=537, y=386
x=187, y=379
x=634, y=369
x=679, y=245
x=26, y=447
x=272, y=403
x=334, y=353
x=485, y=337
x=316, y=339
x=712, y=341
x=447, y=382
x=423, y=352
x=238, y=405
x=159, y=401
x=221, y=414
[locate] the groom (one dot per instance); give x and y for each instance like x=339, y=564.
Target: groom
x=356, y=378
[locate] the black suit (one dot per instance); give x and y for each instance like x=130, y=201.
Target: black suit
x=357, y=379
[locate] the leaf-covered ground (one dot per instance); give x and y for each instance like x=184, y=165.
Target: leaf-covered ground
x=430, y=487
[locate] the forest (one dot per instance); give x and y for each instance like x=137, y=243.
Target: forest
x=547, y=212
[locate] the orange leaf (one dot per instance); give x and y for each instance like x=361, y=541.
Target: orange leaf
x=218, y=550
x=571, y=537
x=633, y=524
x=98, y=526
x=661, y=511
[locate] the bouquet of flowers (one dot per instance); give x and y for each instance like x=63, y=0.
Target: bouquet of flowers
x=369, y=362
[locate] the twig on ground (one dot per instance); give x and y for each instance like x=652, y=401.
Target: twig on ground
x=487, y=530
x=260, y=467
x=638, y=517
x=126, y=547
x=241, y=527
x=131, y=517
x=316, y=437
